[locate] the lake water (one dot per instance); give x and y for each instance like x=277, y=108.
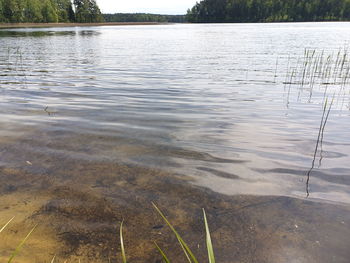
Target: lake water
x=98, y=122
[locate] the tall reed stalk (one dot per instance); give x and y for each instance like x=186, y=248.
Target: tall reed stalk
x=319, y=72
x=319, y=142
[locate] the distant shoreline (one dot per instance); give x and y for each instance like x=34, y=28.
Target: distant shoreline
x=43, y=25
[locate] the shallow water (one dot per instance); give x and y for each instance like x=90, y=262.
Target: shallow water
x=96, y=123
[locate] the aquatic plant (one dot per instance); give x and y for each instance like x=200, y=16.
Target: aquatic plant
x=19, y=247
x=317, y=68
x=319, y=142
x=3, y=228
x=185, y=248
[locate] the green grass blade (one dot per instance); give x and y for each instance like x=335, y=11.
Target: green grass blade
x=2, y=229
x=184, y=250
x=190, y=256
x=165, y=258
x=122, y=243
x=19, y=247
x=208, y=240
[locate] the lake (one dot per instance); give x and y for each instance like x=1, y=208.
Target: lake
x=249, y=121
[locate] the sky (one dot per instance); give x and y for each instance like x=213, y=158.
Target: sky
x=171, y=7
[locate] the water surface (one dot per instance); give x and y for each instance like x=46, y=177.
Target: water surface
x=98, y=122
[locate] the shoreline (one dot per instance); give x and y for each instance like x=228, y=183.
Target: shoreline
x=49, y=25
x=43, y=25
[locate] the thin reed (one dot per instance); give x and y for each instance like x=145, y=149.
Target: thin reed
x=20, y=245
x=191, y=258
x=321, y=71
x=319, y=142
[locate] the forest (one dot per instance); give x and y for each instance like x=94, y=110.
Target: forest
x=227, y=11
x=143, y=17
x=49, y=11
x=205, y=11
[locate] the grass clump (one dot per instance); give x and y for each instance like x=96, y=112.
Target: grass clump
x=185, y=248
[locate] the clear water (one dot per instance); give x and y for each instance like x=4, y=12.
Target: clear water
x=209, y=105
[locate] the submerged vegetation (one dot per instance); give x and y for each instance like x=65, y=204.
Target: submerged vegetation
x=219, y=11
x=49, y=11
x=19, y=247
x=191, y=258
x=185, y=248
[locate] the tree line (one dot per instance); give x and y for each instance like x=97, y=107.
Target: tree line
x=49, y=11
x=227, y=11
x=143, y=17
